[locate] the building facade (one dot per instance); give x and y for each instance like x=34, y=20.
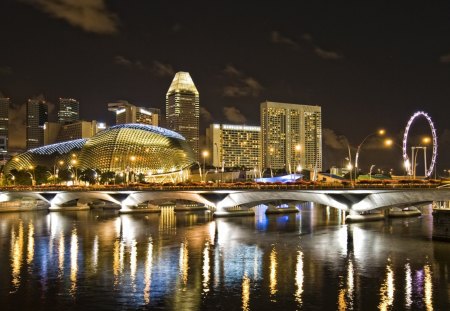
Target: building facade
x=37, y=115
x=57, y=132
x=183, y=109
x=4, y=127
x=128, y=113
x=234, y=145
x=69, y=110
x=157, y=154
x=291, y=136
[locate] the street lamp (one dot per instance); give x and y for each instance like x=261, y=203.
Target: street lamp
x=271, y=150
x=379, y=132
x=13, y=178
x=205, y=154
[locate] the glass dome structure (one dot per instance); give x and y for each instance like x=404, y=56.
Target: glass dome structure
x=138, y=148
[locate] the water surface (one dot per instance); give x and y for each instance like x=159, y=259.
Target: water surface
x=94, y=260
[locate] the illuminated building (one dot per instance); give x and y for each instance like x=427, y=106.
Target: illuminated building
x=183, y=109
x=234, y=145
x=69, y=110
x=291, y=136
x=158, y=154
x=4, y=119
x=128, y=113
x=57, y=132
x=37, y=115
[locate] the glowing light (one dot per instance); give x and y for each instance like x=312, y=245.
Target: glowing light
x=95, y=254
x=434, y=138
x=148, y=271
x=387, y=289
x=30, y=247
x=245, y=292
x=299, y=279
x=73, y=261
x=428, y=299
x=388, y=142
x=133, y=263
x=273, y=272
x=61, y=256
x=206, y=273
x=184, y=262
x=16, y=256
x=408, y=286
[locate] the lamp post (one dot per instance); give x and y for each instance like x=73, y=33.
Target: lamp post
x=349, y=165
x=205, y=154
x=13, y=178
x=379, y=132
x=73, y=165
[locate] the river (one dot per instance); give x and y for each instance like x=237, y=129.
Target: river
x=100, y=260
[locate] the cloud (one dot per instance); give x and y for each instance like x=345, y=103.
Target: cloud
x=277, y=38
x=89, y=15
x=334, y=141
x=445, y=58
x=123, y=61
x=242, y=85
x=205, y=114
x=163, y=70
x=307, y=37
x=233, y=114
x=327, y=54
x=6, y=70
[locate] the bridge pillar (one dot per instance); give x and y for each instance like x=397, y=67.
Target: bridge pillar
x=441, y=223
x=397, y=212
x=141, y=208
x=355, y=216
x=285, y=208
x=233, y=211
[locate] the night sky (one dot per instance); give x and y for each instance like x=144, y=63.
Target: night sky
x=369, y=65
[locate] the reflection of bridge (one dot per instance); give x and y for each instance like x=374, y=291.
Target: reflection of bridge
x=223, y=201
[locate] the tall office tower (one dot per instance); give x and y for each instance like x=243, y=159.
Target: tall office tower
x=234, y=145
x=69, y=110
x=183, y=109
x=37, y=115
x=128, y=113
x=4, y=119
x=291, y=136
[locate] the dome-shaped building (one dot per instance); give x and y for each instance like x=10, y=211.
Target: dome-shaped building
x=140, y=148
x=154, y=152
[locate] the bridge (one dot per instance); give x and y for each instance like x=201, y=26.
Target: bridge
x=224, y=201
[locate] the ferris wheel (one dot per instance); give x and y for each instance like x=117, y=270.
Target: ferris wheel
x=408, y=164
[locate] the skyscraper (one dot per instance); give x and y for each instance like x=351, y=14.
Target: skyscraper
x=128, y=113
x=69, y=110
x=234, y=145
x=4, y=119
x=291, y=136
x=37, y=115
x=183, y=109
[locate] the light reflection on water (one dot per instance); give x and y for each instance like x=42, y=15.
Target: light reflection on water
x=189, y=261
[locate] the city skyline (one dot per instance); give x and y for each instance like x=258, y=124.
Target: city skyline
x=365, y=72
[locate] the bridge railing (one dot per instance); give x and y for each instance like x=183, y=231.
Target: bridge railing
x=224, y=186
